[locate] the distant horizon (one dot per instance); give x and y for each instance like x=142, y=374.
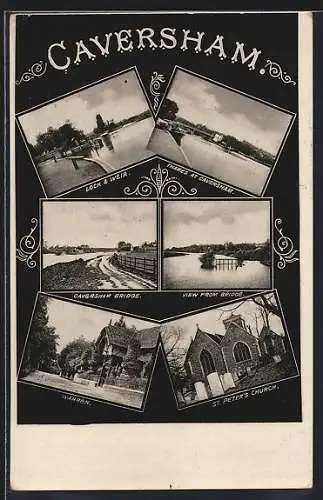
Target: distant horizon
x=246, y=221
x=216, y=131
x=116, y=99
x=68, y=245
x=98, y=223
x=91, y=131
x=210, y=244
x=241, y=116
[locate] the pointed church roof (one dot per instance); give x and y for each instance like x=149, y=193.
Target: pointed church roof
x=214, y=337
x=232, y=317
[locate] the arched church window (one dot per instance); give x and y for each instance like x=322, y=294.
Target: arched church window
x=241, y=352
x=207, y=362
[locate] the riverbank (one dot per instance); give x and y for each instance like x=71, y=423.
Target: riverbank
x=74, y=275
x=172, y=253
x=94, y=274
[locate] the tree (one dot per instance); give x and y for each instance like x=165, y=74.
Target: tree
x=207, y=260
x=268, y=304
x=101, y=125
x=76, y=355
x=131, y=364
x=41, y=348
x=62, y=138
x=264, y=254
x=168, y=110
x=70, y=134
x=175, y=355
x=124, y=246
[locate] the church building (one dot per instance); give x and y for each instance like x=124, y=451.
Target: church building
x=215, y=363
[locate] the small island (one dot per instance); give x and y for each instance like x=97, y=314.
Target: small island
x=237, y=253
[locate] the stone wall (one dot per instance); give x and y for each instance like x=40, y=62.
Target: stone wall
x=201, y=342
x=233, y=335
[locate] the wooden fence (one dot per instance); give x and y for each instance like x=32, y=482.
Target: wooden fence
x=142, y=265
x=222, y=264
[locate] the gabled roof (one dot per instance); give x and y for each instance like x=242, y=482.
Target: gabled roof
x=232, y=317
x=148, y=337
x=120, y=336
x=267, y=331
x=214, y=337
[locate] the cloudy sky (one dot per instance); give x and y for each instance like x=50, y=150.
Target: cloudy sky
x=209, y=221
x=73, y=320
x=98, y=223
x=118, y=98
x=212, y=321
x=227, y=112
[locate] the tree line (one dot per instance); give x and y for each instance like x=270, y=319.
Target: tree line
x=77, y=356
x=68, y=136
x=168, y=112
x=69, y=249
x=241, y=251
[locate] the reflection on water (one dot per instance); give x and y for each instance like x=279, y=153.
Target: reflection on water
x=227, y=167
x=211, y=159
x=185, y=272
x=129, y=145
x=133, y=135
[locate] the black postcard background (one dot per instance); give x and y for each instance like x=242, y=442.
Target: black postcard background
x=277, y=37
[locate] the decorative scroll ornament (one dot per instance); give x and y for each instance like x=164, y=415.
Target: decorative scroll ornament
x=275, y=71
x=285, y=248
x=28, y=246
x=159, y=182
x=35, y=71
x=155, y=84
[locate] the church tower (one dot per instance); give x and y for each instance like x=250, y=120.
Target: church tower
x=236, y=320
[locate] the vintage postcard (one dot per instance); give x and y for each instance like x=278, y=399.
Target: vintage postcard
x=160, y=232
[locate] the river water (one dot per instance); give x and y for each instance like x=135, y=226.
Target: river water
x=50, y=259
x=129, y=145
x=212, y=160
x=185, y=272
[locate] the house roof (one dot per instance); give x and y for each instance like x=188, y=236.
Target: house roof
x=120, y=335
x=267, y=331
x=148, y=337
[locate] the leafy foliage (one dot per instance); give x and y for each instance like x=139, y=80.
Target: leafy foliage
x=63, y=138
x=207, y=260
x=79, y=354
x=131, y=365
x=41, y=348
x=168, y=110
